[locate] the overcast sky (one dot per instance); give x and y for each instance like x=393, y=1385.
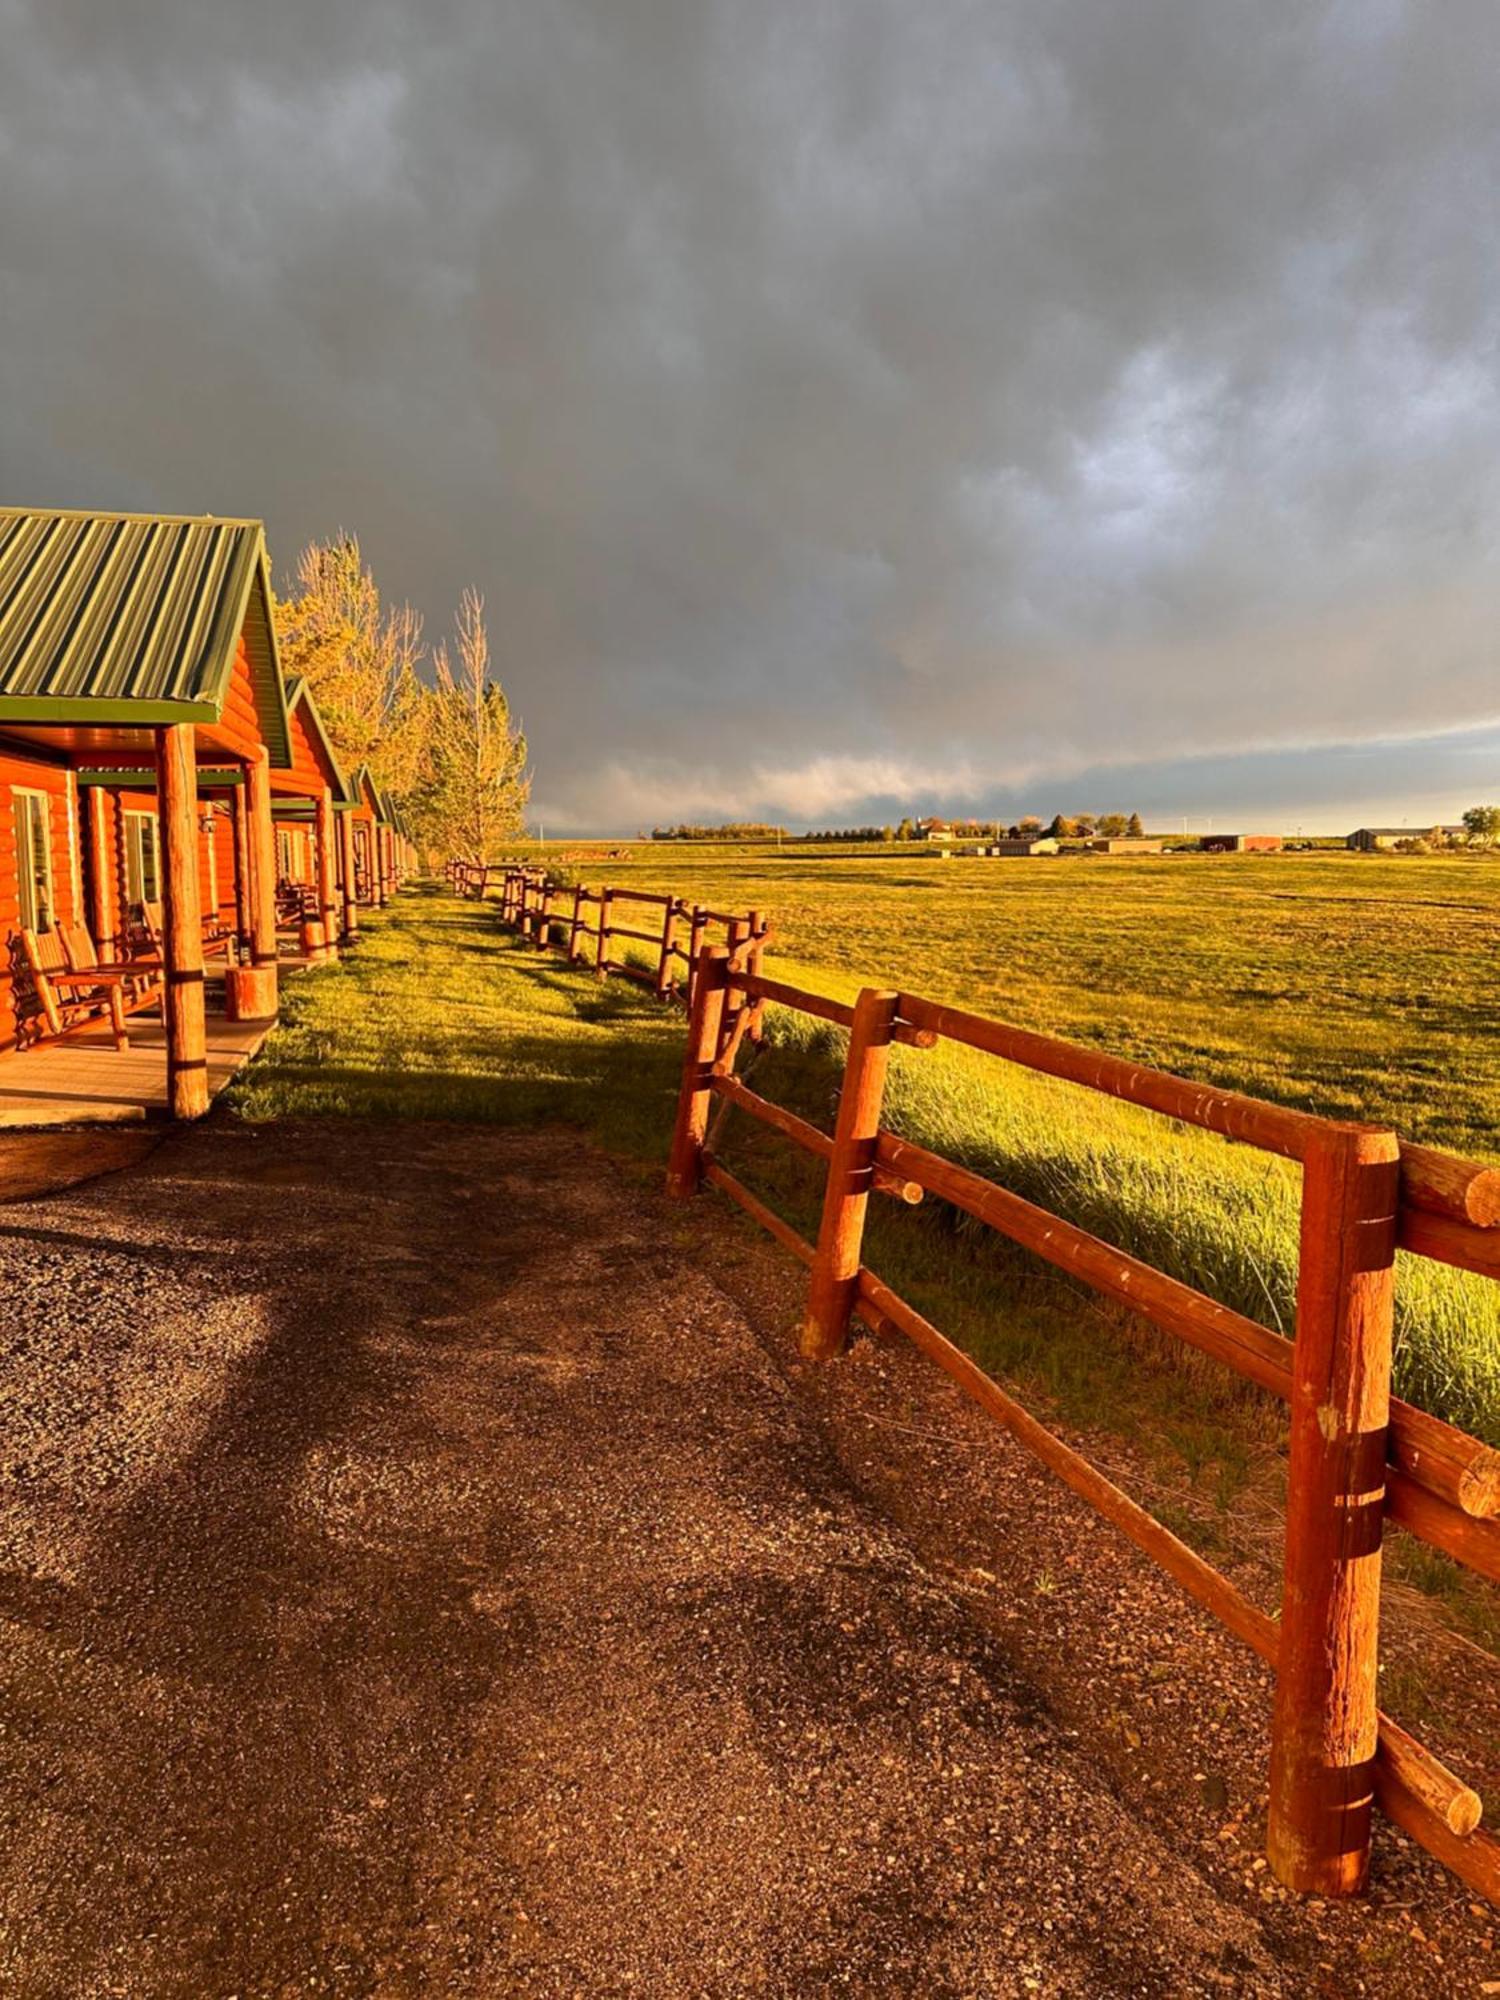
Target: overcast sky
x=844, y=407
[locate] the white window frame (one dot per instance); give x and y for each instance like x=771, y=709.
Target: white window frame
x=26, y=801
x=136, y=825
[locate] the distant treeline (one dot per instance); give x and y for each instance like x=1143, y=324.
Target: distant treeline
x=1063, y=826
x=732, y=830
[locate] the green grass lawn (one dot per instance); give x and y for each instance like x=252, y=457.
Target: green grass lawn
x=438, y=1015
x=1361, y=986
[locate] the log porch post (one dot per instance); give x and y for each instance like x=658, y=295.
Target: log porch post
x=1323, y=1726
x=250, y=990
x=244, y=886
x=103, y=901
x=348, y=874
x=328, y=908
x=182, y=922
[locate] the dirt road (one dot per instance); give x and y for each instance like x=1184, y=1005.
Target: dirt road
x=417, y=1577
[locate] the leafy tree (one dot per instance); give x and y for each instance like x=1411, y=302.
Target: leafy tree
x=474, y=798
x=1482, y=824
x=1083, y=825
x=1029, y=828
x=906, y=831
x=1112, y=826
x=360, y=660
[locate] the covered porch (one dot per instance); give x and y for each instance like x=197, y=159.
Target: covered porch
x=85, y=1080
x=137, y=661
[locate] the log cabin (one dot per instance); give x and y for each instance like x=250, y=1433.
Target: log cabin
x=375, y=859
x=142, y=716
x=313, y=804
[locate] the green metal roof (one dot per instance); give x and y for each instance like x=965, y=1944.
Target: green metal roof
x=134, y=619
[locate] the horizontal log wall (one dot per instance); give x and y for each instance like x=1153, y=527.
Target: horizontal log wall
x=53, y=781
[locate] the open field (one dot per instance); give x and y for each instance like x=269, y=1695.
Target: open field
x=1358, y=987
x=440, y=1015
x=1361, y=986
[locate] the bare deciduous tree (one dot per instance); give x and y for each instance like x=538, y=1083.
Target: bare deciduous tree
x=477, y=786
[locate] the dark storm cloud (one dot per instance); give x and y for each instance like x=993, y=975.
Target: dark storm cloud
x=836, y=404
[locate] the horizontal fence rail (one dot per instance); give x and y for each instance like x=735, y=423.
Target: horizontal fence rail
x=1358, y=1455
x=585, y=924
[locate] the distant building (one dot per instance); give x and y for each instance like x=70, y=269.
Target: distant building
x=1373, y=839
x=1241, y=843
x=1042, y=844
x=948, y=829
x=1124, y=844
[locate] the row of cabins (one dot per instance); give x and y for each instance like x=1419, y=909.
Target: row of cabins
x=167, y=799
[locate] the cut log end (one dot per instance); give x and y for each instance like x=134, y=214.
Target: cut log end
x=1443, y=1184
x=1479, y=1485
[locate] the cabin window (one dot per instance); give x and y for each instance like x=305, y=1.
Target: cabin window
x=142, y=858
x=283, y=854
x=33, y=859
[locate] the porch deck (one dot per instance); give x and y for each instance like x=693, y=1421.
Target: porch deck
x=85, y=1080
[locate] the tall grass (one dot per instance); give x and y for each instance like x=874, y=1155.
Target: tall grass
x=1221, y=1217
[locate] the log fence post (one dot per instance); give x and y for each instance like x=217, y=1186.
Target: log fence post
x=755, y=1027
x=544, y=917
x=739, y=936
x=851, y=1173
x=685, y=1165
x=664, y=957
x=601, y=949
x=697, y=926
x=576, y=926
x=1323, y=1728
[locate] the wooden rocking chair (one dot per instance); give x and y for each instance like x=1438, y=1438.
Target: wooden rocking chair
x=68, y=999
x=140, y=978
x=218, y=938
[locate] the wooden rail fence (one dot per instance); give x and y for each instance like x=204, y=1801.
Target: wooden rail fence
x=1358, y=1456
x=584, y=924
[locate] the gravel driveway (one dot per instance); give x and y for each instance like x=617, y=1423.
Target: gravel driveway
x=417, y=1577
